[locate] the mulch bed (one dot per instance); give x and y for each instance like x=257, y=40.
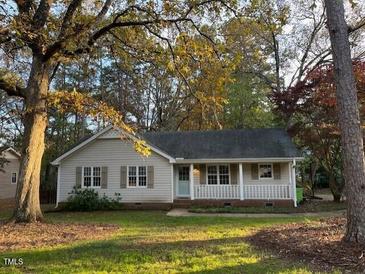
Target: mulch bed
x=316, y=243
x=21, y=236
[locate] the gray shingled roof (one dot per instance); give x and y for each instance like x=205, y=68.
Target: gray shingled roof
x=244, y=143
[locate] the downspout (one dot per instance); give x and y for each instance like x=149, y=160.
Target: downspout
x=172, y=183
x=294, y=183
x=58, y=183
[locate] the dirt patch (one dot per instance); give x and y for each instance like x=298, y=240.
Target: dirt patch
x=317, y=243
x=20, y=236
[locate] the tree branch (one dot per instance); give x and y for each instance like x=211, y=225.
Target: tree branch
x=4, y=35
x=41, y=15
x=357, y=26
x=101, y=32
x=154, y=19
x=24, y=6
x=103, y=11
x=67, y=19
x=62, y=37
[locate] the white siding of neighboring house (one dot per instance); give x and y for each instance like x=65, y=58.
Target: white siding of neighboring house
x=114, y=153
x=7, y=189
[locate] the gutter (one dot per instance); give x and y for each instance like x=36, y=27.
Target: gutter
x=235, y=160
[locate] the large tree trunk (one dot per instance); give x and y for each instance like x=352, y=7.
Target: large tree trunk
x=349, y=121
x=35, y=121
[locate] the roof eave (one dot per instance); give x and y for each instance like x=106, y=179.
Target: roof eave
x=12, y=150
x=235, y=160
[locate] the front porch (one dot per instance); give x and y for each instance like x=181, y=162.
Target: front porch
x=242, y=181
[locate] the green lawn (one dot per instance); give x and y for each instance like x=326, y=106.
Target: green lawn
x=151, y=242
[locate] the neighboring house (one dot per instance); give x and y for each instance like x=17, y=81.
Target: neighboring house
x=9, y=173
x=237, y=167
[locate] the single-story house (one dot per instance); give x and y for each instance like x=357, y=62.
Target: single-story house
x=237, y=167
x=8, y=173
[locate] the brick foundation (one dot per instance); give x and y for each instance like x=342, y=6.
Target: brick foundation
x=144, y=206
x=186, y=203
x=237, y=203
x=148, y=206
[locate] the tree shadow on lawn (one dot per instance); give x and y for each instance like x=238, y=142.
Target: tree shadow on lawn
x=120, y=254
x=319, y=244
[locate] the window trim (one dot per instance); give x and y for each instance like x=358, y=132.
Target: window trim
x=272, y=171
x=91, y=176
x=16, y=178
x=218, y=178
x=137, y=176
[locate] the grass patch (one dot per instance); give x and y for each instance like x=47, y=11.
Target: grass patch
x=151, y=242
x=305, y=207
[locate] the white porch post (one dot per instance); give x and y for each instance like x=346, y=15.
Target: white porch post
x=241, y=180
x=191, y=177
x=294, y=183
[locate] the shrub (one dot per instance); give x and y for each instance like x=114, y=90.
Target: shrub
x=88, y=200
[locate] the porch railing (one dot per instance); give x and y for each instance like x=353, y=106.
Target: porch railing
x=266, y=192
x=249, y=192
x=217, y=191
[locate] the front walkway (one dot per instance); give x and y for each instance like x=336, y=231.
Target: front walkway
x=183, y=212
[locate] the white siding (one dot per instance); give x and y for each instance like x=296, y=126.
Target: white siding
x=115, y=153
x=284, y=176
x=7, y=189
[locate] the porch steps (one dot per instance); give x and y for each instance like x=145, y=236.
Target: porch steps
x=181, y=203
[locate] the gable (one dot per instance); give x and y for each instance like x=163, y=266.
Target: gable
x=105, y=134
x=10, y=154
x=113, y=150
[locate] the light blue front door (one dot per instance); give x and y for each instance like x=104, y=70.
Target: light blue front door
x=183, y=184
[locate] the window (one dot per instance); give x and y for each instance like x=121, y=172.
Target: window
x=142, y=176
x=184, y=172
x=13, y=178
x=96, y=177
x=212, y=175
x=132, y=176
x=137, y=176
x=218, y=175
x=92, y=177
x=265, y=171
x=223, y=175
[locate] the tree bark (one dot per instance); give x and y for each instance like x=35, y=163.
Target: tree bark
x=349, y=122
x=27, y=207
x=313, y=171
x=335, y=187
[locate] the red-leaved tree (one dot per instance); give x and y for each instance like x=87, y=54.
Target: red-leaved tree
x=310, y=108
